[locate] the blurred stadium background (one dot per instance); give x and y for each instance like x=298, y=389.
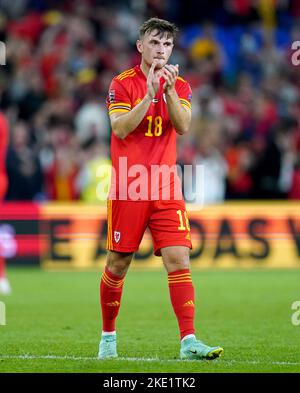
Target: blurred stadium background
x=236, y=54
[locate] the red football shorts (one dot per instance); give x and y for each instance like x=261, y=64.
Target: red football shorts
x=128, y=220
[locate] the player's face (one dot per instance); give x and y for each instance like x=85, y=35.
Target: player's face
x=155, y=46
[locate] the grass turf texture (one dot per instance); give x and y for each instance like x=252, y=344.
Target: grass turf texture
x=56, y=313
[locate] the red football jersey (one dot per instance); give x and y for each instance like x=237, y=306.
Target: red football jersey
x=3, y=148
x=138, y=158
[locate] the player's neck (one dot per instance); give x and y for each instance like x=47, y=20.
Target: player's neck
x=145, y=68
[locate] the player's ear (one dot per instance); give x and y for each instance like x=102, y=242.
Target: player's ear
x=139, y=46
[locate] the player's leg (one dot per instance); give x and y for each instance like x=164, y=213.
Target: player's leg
x=111, y=287
x=176, y=262
x=171, y=236
x=123, y=239
x=5, y=288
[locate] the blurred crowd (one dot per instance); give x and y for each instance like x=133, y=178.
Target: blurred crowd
x=236, y=54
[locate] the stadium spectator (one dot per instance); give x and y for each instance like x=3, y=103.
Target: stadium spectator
x=25, y=178
x=61, y=169
x=240, y=160
x=92, y=120
x=274, y=168
x=210, y=177
x=94, y=177
x=294, y=192
x=235, y=54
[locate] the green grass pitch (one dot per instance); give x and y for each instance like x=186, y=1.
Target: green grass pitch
x=53, y=322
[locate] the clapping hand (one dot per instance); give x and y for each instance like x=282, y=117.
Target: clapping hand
x=170, y=73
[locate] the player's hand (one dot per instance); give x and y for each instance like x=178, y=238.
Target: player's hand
x=153, y=81
x=170, y=73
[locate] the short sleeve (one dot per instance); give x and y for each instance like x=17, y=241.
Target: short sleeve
x=117, y=100
x=184, y=92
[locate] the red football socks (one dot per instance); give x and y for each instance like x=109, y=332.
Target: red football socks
x=111, y=287
x=182, y=299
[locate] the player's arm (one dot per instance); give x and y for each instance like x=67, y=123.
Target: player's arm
x=180, y=115
x=123, y=124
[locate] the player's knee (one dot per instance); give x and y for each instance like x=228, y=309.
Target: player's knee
x=177, y=264
x=118, y=263
x=176, y=259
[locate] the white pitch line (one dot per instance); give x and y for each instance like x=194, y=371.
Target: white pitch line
x=82, y=358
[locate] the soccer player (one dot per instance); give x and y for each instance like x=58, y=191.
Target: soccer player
x=148, y=105
x=4, y=283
